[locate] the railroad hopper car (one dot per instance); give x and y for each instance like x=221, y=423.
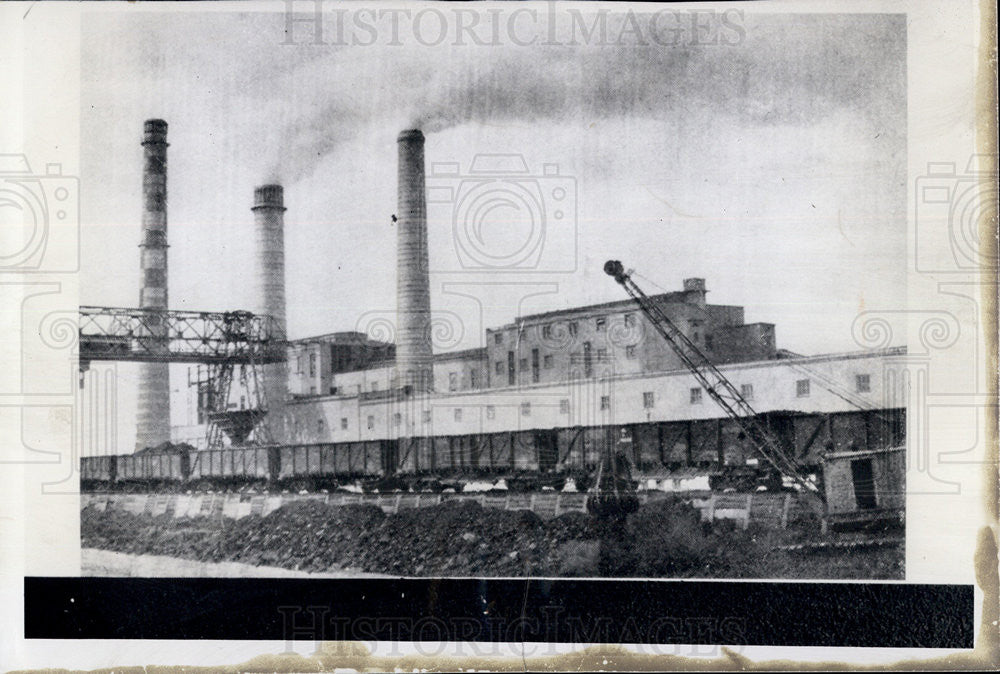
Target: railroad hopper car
x=96, y=471
x=153, y=468
x=234, y=466
x=526, y=460
x=326, y=465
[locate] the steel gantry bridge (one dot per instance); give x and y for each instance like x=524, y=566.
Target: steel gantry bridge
x=230, y=348
x=153, y=335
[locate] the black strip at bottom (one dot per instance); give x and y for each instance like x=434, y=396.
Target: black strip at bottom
x=887, y=615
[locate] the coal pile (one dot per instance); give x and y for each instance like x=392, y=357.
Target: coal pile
x=303, y=535
x=454, y=538
x=168, y=448
x=121, y=531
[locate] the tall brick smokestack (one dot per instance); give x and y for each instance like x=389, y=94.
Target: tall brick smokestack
x=268, y=281
x=153, y=422
x=413, y=295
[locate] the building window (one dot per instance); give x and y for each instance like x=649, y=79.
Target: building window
x=458, y=414
x=746, y=390
x=709, y=342
x=498, y=338
x=588, y=364
x=696, y=396
x=523, y=364
x=374, y=386
x=546, y=331
x=602, y=355
x=863, y=383
x=694, y=336
x=802, y=388
x=371, y=422
x=319, y=426
x=452, y=381
x=605, y=402
x=426, y=416
x=204, y=402
x=601, y=323
x=647, y=399
x=511, y=372
x=564, y=406
x=536, y=374
x=499, y=367
x=312, y=364
x=333, y=390
x=298, y=365
x=629, y=320
x=343, y=423
x=474, y=378
x=397, y=419
x=525, y=409
x=312, y=390
x=630, y=351
x=491, y=412
x=574, y=327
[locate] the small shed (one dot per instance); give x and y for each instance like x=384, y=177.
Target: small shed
x=865, y=485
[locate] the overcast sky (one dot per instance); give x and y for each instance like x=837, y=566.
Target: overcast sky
x=772, y=163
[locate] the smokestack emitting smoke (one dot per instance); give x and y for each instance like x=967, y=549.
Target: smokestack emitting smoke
x=153, y=422
x=641, y=64
x=413, y=294
x=269, y=294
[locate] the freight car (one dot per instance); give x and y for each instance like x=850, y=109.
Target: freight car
x=526, y=460
x=238, y=467
x=97, y=472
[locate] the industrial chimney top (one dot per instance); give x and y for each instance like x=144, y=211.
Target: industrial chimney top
x=154, y=131
x=269, y=196
x=410, y=134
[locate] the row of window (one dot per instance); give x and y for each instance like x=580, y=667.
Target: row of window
x=547, y=362
x=573, y=327
x=802, y=388
x=453, y=380
x=862, y=384
x=397, y=418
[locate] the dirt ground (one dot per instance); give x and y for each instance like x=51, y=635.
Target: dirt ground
x=664, y=539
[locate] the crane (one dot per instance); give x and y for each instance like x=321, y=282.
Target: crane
x=722, y=391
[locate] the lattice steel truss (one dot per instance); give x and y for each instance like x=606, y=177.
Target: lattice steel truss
x=718, y=386
x=149, y=335
x=230, y=348
x=219, y=386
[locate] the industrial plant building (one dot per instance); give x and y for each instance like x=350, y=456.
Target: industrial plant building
x=553, y=347
x=592, y=367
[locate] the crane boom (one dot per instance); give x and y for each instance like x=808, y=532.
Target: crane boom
x=722, y=391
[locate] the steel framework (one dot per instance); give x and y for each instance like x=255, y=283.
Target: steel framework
x=722, y=391
x=231, y=346
x=150, y=335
